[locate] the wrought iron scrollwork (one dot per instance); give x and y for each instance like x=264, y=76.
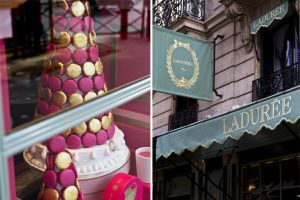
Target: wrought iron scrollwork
x=280, y=80
x=183, y=117
x=168, y=11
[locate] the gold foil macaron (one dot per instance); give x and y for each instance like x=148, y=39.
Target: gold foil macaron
x=105, y=88
x=63, y=160
x=89, y=96
x=94, y=125
x=101, y=92
x=64, y=39
x=45, y=93
x=73, y=70
x=92, y=38
x=110, y=116
x=89, y=69
x=60, y=98
x=71, y=193
x=80, y=40
x=61, y=4
x=80, y=128
x=105, y=121
x=99, y=67
x=58, y=69
x=77, y=8
x=75, y=99
x=88, y=8
x=66, y=132
x=50, y=194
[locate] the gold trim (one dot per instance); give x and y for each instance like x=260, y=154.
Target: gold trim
x=182, y=82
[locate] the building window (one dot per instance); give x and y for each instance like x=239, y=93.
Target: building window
x=272, y=179
x=186, y=112
x=280, y=56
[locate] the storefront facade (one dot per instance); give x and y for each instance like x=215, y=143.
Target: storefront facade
x=256, y=57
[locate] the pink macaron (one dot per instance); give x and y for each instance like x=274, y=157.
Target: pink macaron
x=73, y=141
x=69, y=86
x=98, y=82
x=76, y=24
x=89, y=140
x=73, y=168
x=42, y=107
x=111, y=131
x=53, y=108
x=93, y=53
x=101, y=137
x=60, y=23
x=86, y=84
x=56, y=144
x=66, y=177
x=80, y=56
x=54, y=83
x=50, y=178
x=44, y=79
x=63, y=55
x=88, y=24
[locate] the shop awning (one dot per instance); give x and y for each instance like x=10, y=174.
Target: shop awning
x=266, y=20
x=265, y=113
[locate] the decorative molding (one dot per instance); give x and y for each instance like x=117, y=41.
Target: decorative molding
x=235, y=11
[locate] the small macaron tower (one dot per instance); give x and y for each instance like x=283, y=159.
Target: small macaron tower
x=74, y=75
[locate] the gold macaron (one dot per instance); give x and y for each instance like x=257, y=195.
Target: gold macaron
x=89, y=69
x=58, y=69
x=77, y=8
x=73, y=70
x=92, y=38
x=80, y=40
x=64, y=39
x=63, y=160
x=99, y=67
x=90, y=96
x=71, y=193
x=80, y=128
x=75, y=99
x=94, y=125
x=60, y=98
x=100, y=93
x=50, y=194
x=105, y=121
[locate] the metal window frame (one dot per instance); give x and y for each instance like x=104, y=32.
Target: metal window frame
x=40, y=130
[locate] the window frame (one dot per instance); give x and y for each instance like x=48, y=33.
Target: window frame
x=40, y=130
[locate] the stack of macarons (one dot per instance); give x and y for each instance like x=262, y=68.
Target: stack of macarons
x=74, y=75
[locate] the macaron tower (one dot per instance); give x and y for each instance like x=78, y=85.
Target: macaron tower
x=74, y=75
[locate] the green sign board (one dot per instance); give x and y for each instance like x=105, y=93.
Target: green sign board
x=264, y=21
x=267, y=113
x=182, y=65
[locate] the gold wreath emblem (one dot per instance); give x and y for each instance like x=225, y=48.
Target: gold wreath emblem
x=182, y=82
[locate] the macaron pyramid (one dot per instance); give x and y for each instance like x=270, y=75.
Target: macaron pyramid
x=74, y=75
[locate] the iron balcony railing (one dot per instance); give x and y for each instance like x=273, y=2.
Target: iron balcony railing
x=183, y=117
x=280, y=80
x=168, y=11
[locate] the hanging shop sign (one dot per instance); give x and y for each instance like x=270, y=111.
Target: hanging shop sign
x=266, y=20
x=266, y=113
x=182, y=65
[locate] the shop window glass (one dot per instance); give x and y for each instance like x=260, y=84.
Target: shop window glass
x=120, y=32
x=272, y=179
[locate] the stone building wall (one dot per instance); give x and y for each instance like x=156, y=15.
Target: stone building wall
x=235, y=66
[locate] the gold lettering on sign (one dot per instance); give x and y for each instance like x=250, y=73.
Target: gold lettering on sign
x=258, y=115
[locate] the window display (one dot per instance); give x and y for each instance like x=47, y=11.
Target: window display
x=58, y=63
